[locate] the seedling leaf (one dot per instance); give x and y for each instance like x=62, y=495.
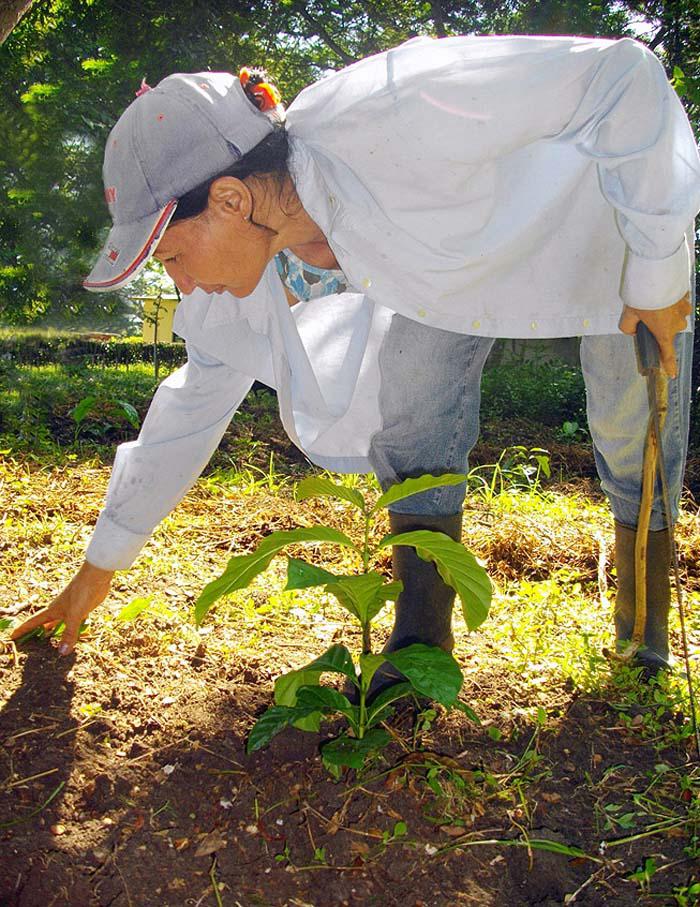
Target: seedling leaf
x=468, y=711
x=413, y=486
x=457, y=566
x=130, y=412
x=286, y=685
x=134, y=608
x=430, y=670
x=351, y=752
x=385, y=698
x=274, y=720
x=369, y=664
x=286, y=688
x=364, y=595
x=317, y=487
x=335, y=660
x=302, y=575
x=81, y=410
x=326, y=700
x=242, y=569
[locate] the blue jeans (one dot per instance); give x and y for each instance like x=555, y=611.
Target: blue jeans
x=430, y=396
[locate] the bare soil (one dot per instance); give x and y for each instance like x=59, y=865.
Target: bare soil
x=155, y=800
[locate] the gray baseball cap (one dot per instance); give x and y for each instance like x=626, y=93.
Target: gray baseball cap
x=171, y=139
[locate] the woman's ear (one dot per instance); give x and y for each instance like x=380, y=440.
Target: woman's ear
x=230, y=197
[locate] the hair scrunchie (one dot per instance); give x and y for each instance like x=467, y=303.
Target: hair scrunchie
x=259, y=90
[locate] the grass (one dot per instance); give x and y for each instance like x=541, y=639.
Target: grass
x=38, y=405
x=36, y=401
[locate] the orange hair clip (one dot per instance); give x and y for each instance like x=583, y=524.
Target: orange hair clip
x=268, y=95
x=265, y=93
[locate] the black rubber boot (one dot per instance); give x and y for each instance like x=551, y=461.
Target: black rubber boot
x=655, y=655
x=423, y=612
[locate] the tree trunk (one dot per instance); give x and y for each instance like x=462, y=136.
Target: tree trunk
x=438, y=17
x=11, y=11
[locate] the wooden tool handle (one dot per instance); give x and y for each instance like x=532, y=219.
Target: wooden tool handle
x=647, y=350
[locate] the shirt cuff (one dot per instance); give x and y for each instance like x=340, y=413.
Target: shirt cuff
x=655, y=283
x=112, y=547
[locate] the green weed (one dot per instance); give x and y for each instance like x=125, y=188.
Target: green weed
x=517, y=468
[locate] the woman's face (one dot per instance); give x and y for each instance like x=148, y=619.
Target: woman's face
x=215, y=251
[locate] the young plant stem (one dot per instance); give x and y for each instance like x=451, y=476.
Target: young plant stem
x=366, y=639
x=363, y=710
x=365, y=544
x=366, y=632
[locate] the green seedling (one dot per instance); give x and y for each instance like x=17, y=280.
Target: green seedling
x=424, y=721
x=142, y=606
x=687, y=895
x=134, y=609
x=517, y=468
x=285, y=856
x=41, y=633
x=399, y=830
x=104, y=408
x=644, y=874
x=572, y=431
x=300, y=699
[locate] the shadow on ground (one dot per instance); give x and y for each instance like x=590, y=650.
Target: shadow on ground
x=159, y=801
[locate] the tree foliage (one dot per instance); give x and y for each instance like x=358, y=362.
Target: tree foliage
x=71, y=66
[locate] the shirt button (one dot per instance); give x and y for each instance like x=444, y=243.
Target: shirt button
x=586, y=323
x=367, y=283
x=533, y=325
x=476, y=325
x=332, y=200
x=421, y=313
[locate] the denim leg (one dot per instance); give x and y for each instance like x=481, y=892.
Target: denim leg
x=429, y=402
x=618, y=415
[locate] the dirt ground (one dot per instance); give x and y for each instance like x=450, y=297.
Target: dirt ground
x=125, y=780
x=154, y=800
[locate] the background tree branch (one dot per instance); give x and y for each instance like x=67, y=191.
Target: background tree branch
x=11, y=11
x=321, y=32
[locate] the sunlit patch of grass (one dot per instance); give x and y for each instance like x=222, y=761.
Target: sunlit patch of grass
x=550, y=628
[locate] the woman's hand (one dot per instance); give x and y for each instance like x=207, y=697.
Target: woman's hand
x=87, y=589
x=664, y=324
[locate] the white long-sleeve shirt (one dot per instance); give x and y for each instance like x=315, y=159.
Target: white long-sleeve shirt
x=506, y=186
x=503, y=186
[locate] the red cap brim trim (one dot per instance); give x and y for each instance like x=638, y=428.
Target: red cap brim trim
x=145, y=252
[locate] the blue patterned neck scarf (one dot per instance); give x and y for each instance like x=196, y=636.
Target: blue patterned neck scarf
x=306, y=281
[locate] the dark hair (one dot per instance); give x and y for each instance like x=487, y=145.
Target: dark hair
x=268, y=158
